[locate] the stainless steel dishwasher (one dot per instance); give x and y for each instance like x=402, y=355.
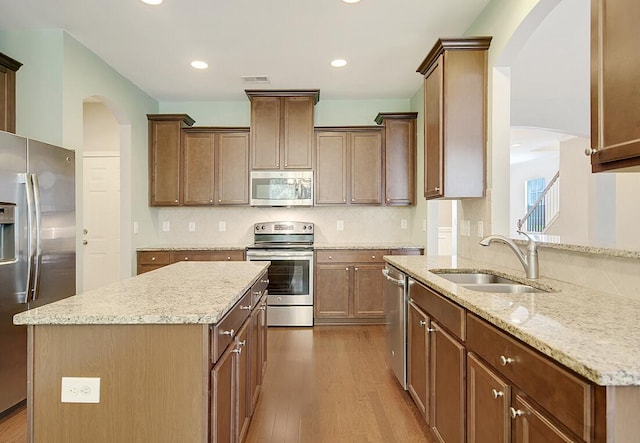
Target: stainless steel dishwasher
x=395, y=292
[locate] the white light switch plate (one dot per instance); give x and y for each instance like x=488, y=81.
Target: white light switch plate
x=80, y=390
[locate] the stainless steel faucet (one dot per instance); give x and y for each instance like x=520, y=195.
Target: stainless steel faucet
x=530, y=262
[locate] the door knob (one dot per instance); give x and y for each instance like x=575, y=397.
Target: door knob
x=85, y=231
x=84, y=242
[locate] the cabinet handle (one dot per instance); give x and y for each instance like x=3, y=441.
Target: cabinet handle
x=504, y=361
x=245, y=308
x=515, y=413
x=589, y=152
x=437, y=189
x=242, y=343
x=237, y=351
x=423, y=323
x=229, y=332
x=263, y=308
x=497, y=394
x=432, y=330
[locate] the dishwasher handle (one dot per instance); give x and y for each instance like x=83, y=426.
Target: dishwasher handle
x=395, y=281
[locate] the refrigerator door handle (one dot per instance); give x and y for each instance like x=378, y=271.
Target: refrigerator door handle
x=28, y=188
x=37, y=259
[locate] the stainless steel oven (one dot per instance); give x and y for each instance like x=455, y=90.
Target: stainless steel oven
x=289, y=248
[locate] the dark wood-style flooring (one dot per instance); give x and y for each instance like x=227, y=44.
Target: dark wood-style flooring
x=323, y=384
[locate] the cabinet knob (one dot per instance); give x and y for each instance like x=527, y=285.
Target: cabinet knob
x=515, y=413
x=186, y=259
x=242, y=343
x=346, y=269
x=330, y=258
x=211, y=201
x=245, y=308
x=229, y=332
x=237, y=351
x=353, y=199
x=589, y=152
x=437, y=189
x=228, y=257
x=355, y=269
x=373, y=257
x=504, y=361
x=496, y=394
x=175, y=201
x=220, y=200
x=423, y=323
x=153, y=259
x=432, y=330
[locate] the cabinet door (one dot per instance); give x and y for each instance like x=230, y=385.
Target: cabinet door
x=198, y=168
x=400, y=162
x=615, y=96
x=253, y=348
x=532, y=425
x=447, y=386
x=232, y=173
x=164, y=162
x=366, y=167
x=331, y=168
x=265, y=132
x=298, y=132
x=332, y=291
x=243, y=373
x=433, y=131
x=223, y=398
x=488, y=399
x=418, y=325
x=262, y=338
x=368, y=294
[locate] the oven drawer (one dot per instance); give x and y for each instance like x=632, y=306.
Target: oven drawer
x=223, y=332
x=289, y=300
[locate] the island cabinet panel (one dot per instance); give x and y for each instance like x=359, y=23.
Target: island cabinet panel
x=147, y=373
x=455, y=90
x=418, y=325
x=282, y=128
x=615, y=94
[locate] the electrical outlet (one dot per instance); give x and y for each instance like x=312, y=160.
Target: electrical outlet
x=166, y=226
x=480, y=229
x=222, y=226
x=136, y=227
x=403, y=223
x=424, y=224
x=340, y=225
x=192, y=226
x=80, y=390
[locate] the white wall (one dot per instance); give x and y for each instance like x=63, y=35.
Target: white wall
x=100, y=131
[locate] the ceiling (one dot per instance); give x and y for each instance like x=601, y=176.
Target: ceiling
x=290, y=41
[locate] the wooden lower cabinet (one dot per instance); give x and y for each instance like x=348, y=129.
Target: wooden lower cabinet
x=150, y=260
x=418, y=325
x=223, y=398
x=243, y=355
x=448, y=390
x=532, y=424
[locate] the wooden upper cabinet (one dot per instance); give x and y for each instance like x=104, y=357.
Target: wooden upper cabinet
x=615, y=91
x=165, y=175
x=8, y=69
x=399, y=157
x=198, y=167
x=282, y=128
x=455, y=91
x=349, y=165
x=232, y=159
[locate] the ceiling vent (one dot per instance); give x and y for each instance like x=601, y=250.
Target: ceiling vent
x=255, y=78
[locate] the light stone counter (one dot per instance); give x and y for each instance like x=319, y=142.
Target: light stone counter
x=182, y=293
x=594, y=333
x=354, y=246
x=192, y=248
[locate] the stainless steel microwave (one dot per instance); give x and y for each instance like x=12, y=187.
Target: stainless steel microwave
x=281, y=188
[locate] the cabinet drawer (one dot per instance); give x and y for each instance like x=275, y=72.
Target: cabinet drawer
x=407, y=251
x=351, y=256
x=259, y=288
x=227, y=255
x=448, y=314
x=153, y=258
x=567, y=397
x=177, y=256
x=223, y=332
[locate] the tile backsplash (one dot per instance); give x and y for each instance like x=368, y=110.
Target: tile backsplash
x=359, y=224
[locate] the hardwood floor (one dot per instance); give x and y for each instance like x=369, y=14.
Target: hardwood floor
x=13, y=426
x=331, y=384
x=323, y=384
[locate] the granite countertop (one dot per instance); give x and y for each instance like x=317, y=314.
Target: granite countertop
x=182, y=293
x=593, y=333
x=192, y=248
x=372, y=245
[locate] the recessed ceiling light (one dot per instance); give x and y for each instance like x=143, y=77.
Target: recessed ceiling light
x=152, y=2
x=338, y=63
x=199, y=64
x=351, y=1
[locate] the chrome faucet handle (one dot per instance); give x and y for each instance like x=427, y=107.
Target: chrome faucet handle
x=532, y=245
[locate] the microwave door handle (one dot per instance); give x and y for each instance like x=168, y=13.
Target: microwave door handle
x=38, y=243
x=28, y=188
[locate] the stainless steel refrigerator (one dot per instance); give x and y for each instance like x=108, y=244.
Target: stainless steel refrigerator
x=37, y=245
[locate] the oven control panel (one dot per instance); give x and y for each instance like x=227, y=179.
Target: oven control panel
x=284, y=227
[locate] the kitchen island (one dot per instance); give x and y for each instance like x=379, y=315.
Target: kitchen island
x=582, y=343
x=166, y=347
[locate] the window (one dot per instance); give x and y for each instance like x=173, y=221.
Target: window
x=534, y=189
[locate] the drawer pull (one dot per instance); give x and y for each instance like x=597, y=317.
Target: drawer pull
x=515, y=413
x=497, y=394
x=230, y=332
x=504, y=361
x=245, y=308
x=242, y=343
x=237, y=351
x=423, y=323
x=263, y=308
x=432, y=330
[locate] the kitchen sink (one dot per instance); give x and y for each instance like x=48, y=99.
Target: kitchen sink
x=485, y=282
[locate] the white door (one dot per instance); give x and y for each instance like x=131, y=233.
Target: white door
x=101, y=233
